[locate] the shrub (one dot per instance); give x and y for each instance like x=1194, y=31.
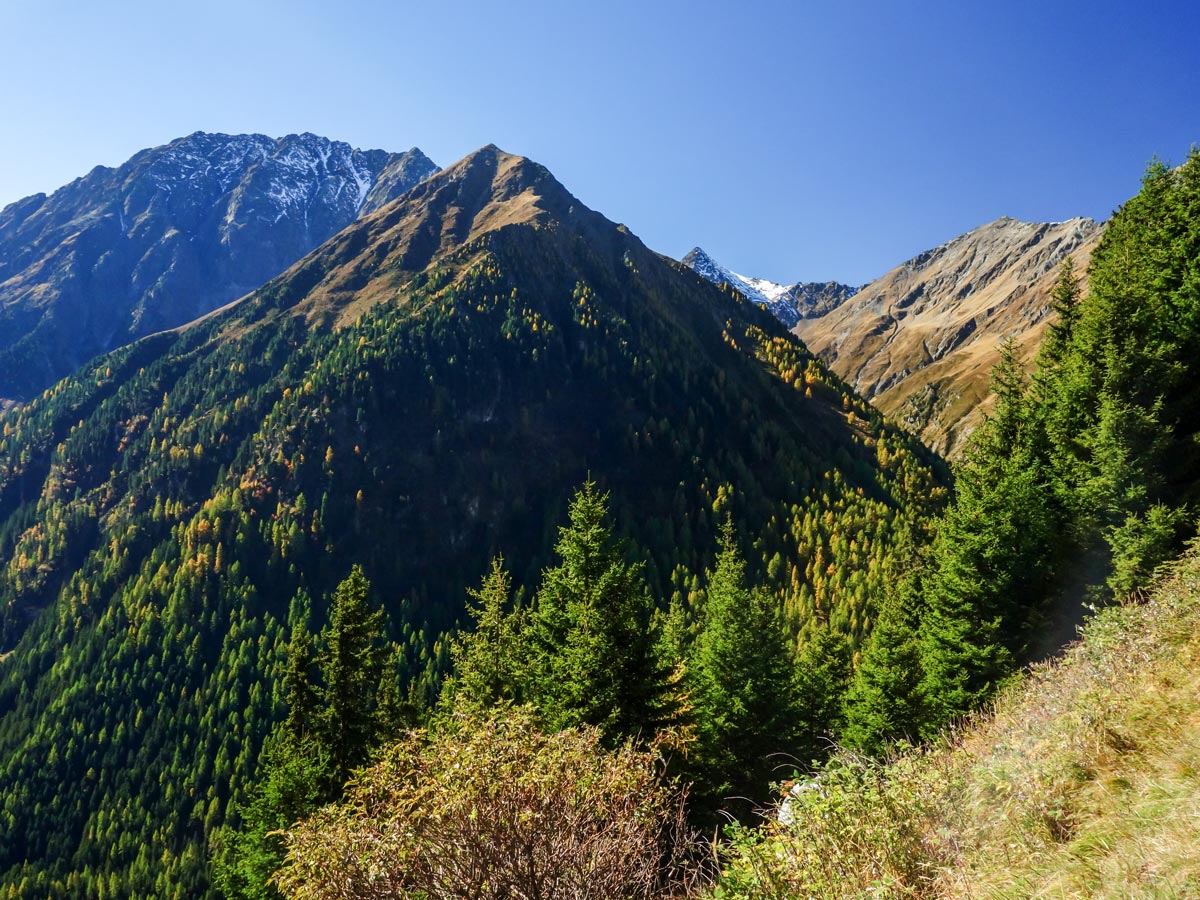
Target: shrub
x=493, y=808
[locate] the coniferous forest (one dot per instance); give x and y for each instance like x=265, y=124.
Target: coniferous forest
x=484, y=523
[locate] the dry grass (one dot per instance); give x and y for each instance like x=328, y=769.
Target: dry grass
x=1083, y=781
x=991, y=283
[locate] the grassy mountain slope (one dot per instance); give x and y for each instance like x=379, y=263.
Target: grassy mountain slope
x=921, y=341
x=1082, y=781
x=423, y=391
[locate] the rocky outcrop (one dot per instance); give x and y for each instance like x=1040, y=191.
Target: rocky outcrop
x=920, y=342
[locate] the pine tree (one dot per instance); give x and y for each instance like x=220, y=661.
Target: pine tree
x=351, y=661
x=298, y=687
x=822, y=679
x=995, y=555
x=489, y=660
x=593, y=636
x=394, y=711
x=1064, y=300
x=743, y=677
x=1138, y=530
x=885, y=702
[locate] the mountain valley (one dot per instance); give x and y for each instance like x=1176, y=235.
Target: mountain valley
x=419, y=394
x=921, y=341
x=368, y=528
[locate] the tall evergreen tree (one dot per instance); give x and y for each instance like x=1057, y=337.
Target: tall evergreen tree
x=353, y=650
x=489, y=660
x=1123, y=399
x=294, y=781
x=300, y=693
x=395, y=711
x=1064, y=300
x=885, y=702
x=593, y=636
x=994, y=557
x=822, y=678
x=743, y=676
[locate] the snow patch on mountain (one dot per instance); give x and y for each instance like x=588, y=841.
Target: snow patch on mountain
x=788, y=303
x=768, y=289
x=173, y=233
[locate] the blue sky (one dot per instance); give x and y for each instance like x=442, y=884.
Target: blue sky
x=795, y=141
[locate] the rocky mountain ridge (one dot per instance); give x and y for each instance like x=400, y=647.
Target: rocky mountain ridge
x=921, y=341
x=788, y=303
x=171, y=234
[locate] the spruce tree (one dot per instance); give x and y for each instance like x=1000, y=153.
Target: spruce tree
x=742, y=672
x=394, y=710
x=298, y=686
x=995, y=555
x=489, y=660
x=352, y=656
x=1064, y=300
x=822, y=678
x=885, y=702
x=593, y=636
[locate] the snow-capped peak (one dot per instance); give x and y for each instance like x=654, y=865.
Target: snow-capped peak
x=789, y=303
x=768, y=289
x=753, y=289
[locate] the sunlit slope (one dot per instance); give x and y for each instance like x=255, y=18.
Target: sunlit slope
x=1083, y=781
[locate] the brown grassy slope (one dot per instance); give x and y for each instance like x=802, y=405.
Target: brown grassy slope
x=373, y=260
x=1083, y=781
x=920, y=342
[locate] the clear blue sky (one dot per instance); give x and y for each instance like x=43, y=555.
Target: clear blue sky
x=792, y=140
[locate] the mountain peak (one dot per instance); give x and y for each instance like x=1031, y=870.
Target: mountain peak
x=921, y=340
x=171, y=234
x=487, y=190
x=484, y=192
x=788, y=303
x=507, y=174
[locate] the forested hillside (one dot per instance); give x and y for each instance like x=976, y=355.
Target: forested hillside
x=1081, y=781
x=421, y=394
x=1084, y=480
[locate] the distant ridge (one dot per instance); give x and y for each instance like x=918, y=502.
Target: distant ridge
x=788, y=303
x=173, y=233
x=921, y=341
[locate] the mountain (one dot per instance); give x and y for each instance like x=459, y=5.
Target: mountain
x=788, y=303
x=422, y=392
x=174, y=233
x=921, y=341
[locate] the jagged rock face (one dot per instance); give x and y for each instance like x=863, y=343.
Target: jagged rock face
x=172, y=234
x=788, y=303
x=921, y=341
x=816, y=298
